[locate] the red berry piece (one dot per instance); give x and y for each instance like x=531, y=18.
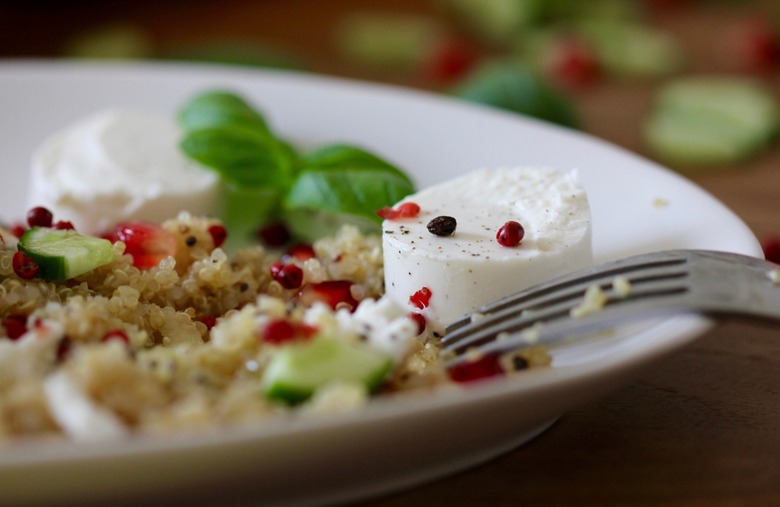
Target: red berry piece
x=451, y=60
x=148, y=243
x=39, y=217
x=572, y=62
x=63, y=348
x=279, y=331
x=24, y=267
x=334, y=293
x=510, y=234
x=289, y=276
x=408, y=210
x=15, y=326
x=276, y=234
x=17, y=230
x=387, y=213
x=218, y=234
x=116, y=334
x=403, y=210
x=301, y=252
x=418, y=319
x=422, y=298
x=209, y=321
x=771, y=247
x=485, y=367
x=64, y=225
x=757, y=44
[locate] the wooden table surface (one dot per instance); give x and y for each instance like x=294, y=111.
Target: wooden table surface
x=700, y=429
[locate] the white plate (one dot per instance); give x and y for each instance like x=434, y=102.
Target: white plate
x=395, y=442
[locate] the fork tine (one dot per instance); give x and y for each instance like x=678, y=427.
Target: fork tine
x=511, y=322
x=563, y=293
x=551, y=333
x=574, y=284
x=661, y=283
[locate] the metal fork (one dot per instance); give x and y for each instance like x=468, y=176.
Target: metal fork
x=619, y=292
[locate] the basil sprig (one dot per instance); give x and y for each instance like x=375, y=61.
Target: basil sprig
x=274, y=180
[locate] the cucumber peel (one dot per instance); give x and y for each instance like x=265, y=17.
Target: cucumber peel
x=298, y=370
x=707, y=121
x=64, y=254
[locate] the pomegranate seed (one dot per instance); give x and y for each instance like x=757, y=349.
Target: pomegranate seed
x=24, y=267
x=484, y=367
x=280, y=331
x=17, y=230
x=116, y=334
x=510, y=234
x=387, y=213
x=276, y=234
x=418, y=319
x=301, y=252
x=148, y=243
x=218, y=234
x=403, y=210
x=39, y=217
x=450, y=61
x=572, y=63
x=334, y=293
x=15, y=326
x=771, y=247
x=63, y=348
x=757, y=44
x=209, y=321
x=64, y=225
x=422, y=298
x=289, y=276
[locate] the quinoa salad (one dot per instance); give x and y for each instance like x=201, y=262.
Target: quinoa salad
x=184, y=339
x=185, y=342
x=119, y=316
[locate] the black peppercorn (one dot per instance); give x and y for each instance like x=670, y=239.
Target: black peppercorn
x=442, y=226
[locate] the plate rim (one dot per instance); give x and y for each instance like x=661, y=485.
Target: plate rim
x=26, y=454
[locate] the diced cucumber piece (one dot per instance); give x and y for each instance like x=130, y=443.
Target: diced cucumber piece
x=632, y=49
x=298, y=370
x=64, y=254
x=709, y=121
x=387, y=39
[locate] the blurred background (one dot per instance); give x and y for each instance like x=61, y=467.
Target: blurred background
x=693, y=84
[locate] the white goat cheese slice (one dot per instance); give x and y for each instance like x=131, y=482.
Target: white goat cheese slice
x=470, y=268
x=78, y=416
x=116, y=165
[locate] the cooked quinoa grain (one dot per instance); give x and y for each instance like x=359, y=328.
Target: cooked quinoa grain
x=191, y=353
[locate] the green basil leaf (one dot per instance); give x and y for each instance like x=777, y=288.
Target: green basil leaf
x=341, y=156
x=244, y=209
x=221, y=109
x=514, y=87
x=350, y=190
x=241, y=156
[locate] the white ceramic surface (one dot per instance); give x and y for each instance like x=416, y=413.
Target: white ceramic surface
x=395, y=443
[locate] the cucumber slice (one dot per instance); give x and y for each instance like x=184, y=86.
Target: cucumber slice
x=297, y=370
x=64, y=254
x=632, y=49
x=710, y=121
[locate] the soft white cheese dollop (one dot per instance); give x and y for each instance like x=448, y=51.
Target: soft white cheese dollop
x=116, y=165
x=470, y=268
